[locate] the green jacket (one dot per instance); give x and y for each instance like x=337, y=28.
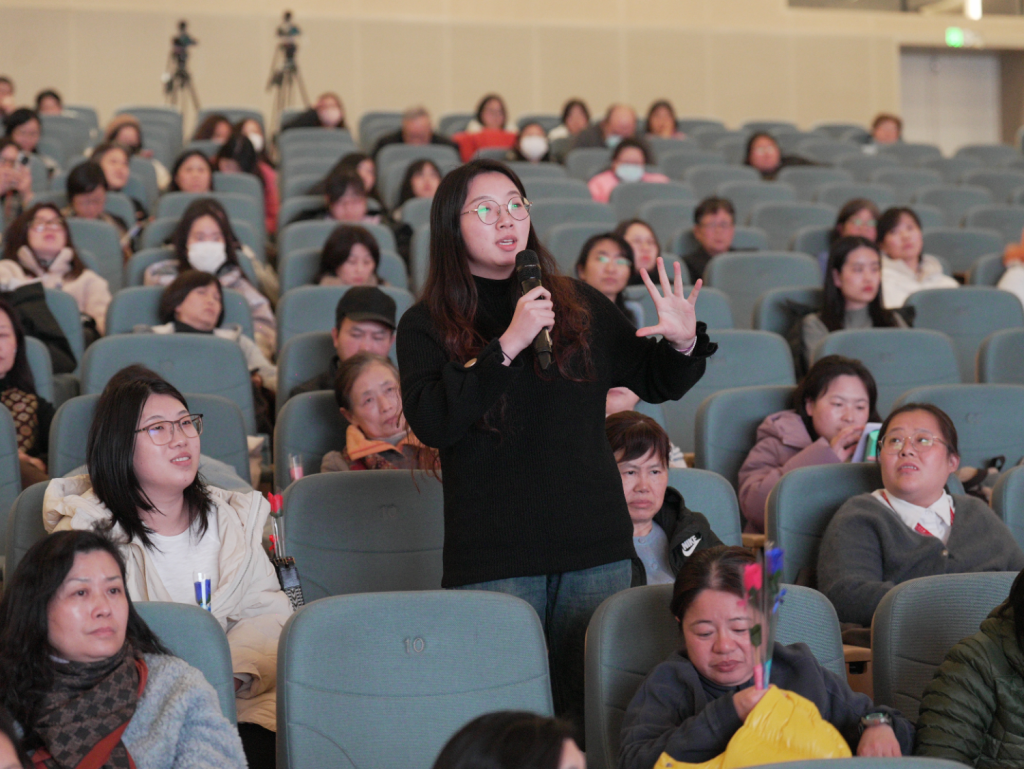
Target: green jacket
x=973, y=710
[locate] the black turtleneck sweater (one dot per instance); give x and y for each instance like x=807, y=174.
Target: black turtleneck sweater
x=535, y=489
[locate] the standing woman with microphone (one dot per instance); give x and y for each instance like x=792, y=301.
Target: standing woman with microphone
x=533, y=501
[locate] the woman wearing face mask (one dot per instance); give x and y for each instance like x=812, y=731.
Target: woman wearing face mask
x=126, y=130
x=531, y=145
x=37, y=246
x=238, y=156
x=905, y=266
x=204, y=241
x=253, y=131
x=629, y=164
x=327, y=112
x=369, y=396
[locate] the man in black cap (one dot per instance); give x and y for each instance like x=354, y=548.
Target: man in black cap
x=363, y=320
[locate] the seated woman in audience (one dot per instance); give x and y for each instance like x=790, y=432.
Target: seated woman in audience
x=575, y=118
x=114, y=159
x=215, y=127
x=486, y=129
x=421, y=180
x=194, y=303
x=661, y=121
x=692, y=704
x=531, y=145
x=853, y=295
x=606, y=263
x=886, y=129
x=644, y=242
x=48, y=102
x=37, y=246
x=905, y=266
x=511, y=739
x=31, y=414
x=15, y=181
x=971, y=712
x=665, y=532
x=87, y=195
x=831, y=406
x=238, y=156
x=126, y=130
x=364, y=165
x=143, y=451
x=621, y=399
x=327, y=112
x=192, y=172
x=858, y=217
x=630, y=159
x=369, y=396
x=87, y=680
x=347, y=200
x=764, y=156
x=24, y=127
x=350, y=257
x=205, y=241
x=253, y=131
x=912, y=527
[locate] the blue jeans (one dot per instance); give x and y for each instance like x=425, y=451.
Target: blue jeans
x=565, y=603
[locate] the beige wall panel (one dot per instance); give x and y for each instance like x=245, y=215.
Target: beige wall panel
x=403, y=64
x=668, y=12
x=832, y=77
x=578, y=62
x=492, y=59
x=329, y=61
x=751, y=77
x=885, y=77
x=36, y=49
x=668, y=64
x=408, y=9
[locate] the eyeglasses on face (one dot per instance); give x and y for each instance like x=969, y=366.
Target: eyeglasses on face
x=922, y=442
x=489, y=210
x=42, y=225
x=162, y=432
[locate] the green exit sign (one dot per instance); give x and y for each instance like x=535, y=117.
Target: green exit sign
x=954, y=37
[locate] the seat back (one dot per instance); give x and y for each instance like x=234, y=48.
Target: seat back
x=838, y=193
x=905, y=182
x=543, y=188
x=240, y=183
x=745, y=276
x=565, y=241
x=311, y=308
x=782, y=221
x=173, y=204
x=583, y=162
x=713, y=305
x=862, y=166
x=745, y=195
x=69, y=318
x=1008, y=501
x=300, y=267
x=195, y=636
x=418, y=659
x=898, y=358
x=223, y=432
x=10, y=469
x=775, y=309
x=1001, y=182
x=308, y=426
x=619, y=658
x=627, y=198
x=1001, y=357
x=102, y=240
x=365, y=532
x=194, y=363
x=1006, y=219
x=986, y=270
x=960, y=246
x=918, y=622
x=909, y=153
x=674, y=164
x=547, y=213
x=41, y=365
x=706, y=178
x=743, y=359
x=527, y=170
x=953, y=200
x=726, y=426
x=667, y=217
x=711, y=495
x=806, y=180
x=140, y=305
x=966, y=315
x=416, y=211
x=980, y=413
x=314, y=234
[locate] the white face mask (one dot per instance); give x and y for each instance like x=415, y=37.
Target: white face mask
x=612, y=141
x=329, y=116
x=629, y=172
x=533, y=147
x=256, y=140
x=207, y=256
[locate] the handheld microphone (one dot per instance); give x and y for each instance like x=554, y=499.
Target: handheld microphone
x=528, y=272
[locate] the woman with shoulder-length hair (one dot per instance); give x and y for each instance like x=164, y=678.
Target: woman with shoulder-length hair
x=512, y=739
x=144, y=488
x=519, y=515
x=86, y=679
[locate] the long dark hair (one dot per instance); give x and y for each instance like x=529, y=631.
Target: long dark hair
x=483, y=103
x=17, y=236
x=240, y=149
x=1015, y=603
x=847, y=212
x=196, y=210
x=26, y=656
x=181, y=161
x=627, y=251
x=208, y=127
x=450, y=294
x=889, y=221
x=821, y=375
x=179, y=289
x=338, y=247
x=405, y=192
x=509, y=739
x=110, y=453
x=833, y=313
x=9, y=731
x=20, y=375
x=750, y=145
x=717, y=568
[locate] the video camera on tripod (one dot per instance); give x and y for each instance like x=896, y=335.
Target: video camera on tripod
x=180, y=44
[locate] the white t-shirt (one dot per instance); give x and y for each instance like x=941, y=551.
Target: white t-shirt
x=177, y=558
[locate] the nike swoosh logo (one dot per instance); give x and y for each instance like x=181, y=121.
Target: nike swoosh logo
x=690, y=545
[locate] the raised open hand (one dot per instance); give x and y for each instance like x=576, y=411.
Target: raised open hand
x=677, y=315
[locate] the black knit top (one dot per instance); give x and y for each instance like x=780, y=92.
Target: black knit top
x=534, y=488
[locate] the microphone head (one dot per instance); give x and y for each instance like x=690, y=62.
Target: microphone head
x=527, y=265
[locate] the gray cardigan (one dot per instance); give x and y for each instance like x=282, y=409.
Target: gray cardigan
x=178, y=723
x=867, y=550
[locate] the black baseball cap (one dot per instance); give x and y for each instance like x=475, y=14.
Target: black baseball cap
x=365, y=303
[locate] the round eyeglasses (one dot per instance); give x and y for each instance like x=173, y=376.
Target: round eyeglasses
x=921, y=442
x=162, y=433
x=489, y=210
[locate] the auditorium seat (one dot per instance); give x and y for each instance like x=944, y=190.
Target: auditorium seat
x=806, y=180
x=173, y=204
x=992, y=155
x=778, y=309
x=960, y=246
x=986, y=270
x=1008, y=501
x=706, y=178
x=745, y=276
x=675, y=164
x=743, y=239
x=953, y=169
x=726, y=426
x=303, y=357
x=159, y=232
x=565, y=241
x=627, y=198
x=744, y=359
x=24, y=521
x=527, y=171
x=309, y=425
x=827, y=151
x=299, y=267
x=415, y=212
x=966, y=315
x=547, y=213
x=1001, y=357
x=373, y=126
x=542, y=189
x=313, y=234
x=812, y=239
x=863, y=166
x=135, y=268
x=898, y=358
x=745, y=195
x=918, y=622
x=837, y=194
x=905, y=182
x=102, y=241
x=583, y=162
x=909, y=153
x=1006, y=219
x=452, y=124
x=418, y=659
x=782, y=220
x=311, y=308
x=419, y=258
x=548, y=120
x=953, y=200
x=240, y=184
x=139, y=306
x=712, y=305
x=634, y=630
x=295, y=207
x=666, y=217
x=1000, y=182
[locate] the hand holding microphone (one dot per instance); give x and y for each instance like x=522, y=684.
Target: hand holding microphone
x=534, y=314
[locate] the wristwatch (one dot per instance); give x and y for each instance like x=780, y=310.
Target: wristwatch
x=875, y=719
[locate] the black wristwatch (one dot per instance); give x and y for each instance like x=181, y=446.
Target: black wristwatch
x=875, y=719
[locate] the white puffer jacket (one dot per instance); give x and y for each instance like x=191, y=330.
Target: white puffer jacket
x=248, y=602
